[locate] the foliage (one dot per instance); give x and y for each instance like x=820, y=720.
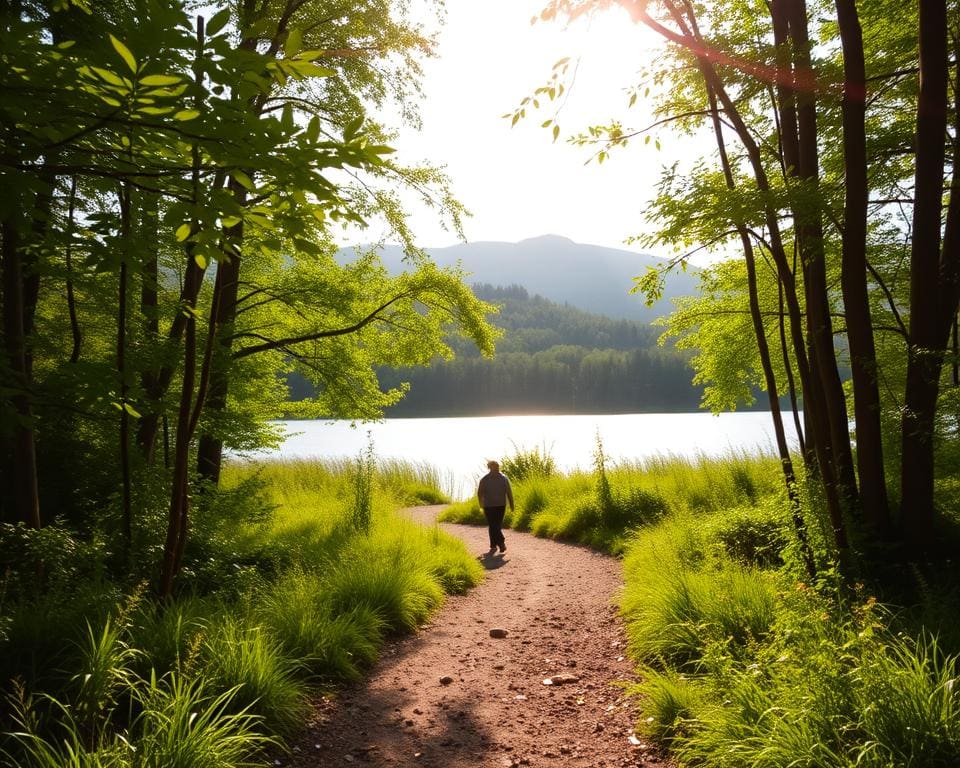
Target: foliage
x=528, y=463
x=362, y=507
x=741, y=662
x=169, y=207
x=552, y=358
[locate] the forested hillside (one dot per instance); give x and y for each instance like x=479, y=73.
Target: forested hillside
x=552, y=358
x=590, y=277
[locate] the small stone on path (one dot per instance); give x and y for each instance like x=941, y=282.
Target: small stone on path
x=497, y=632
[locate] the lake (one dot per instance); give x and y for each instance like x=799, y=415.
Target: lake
x=459, y=447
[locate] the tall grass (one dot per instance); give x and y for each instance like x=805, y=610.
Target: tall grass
x=602, y=507
x=744, y=665
x=295, y=589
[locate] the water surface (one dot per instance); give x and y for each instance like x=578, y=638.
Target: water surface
x=459, y=447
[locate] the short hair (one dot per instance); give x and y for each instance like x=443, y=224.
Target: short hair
x=491, y=464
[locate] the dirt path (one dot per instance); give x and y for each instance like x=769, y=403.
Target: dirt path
x=453, y=696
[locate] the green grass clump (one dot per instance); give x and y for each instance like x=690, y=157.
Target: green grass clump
x=296, y=611
x=682, y=595
x=528, y=463
x=246, y=659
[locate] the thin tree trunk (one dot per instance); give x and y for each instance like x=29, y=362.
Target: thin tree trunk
x=863, y=358
x=150, y=279
x=809, y=459
x=75, y=333
x=956, y=353
x=179, y=512
x=820, y=433
x=23, y=454
x=923, y=365
x=809, y=225
x=756, y=316
x=178, y=517
x=210, y=447
x=126, y=509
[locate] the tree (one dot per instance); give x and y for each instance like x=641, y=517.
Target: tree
x=132, y=157
x=820, y=164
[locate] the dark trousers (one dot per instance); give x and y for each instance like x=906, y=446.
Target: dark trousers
x=495, y=524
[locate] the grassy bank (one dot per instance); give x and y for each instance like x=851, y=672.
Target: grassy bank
x=302, y=570
x=746, y=660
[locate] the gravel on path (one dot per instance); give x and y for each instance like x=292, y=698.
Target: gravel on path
x=527, y=669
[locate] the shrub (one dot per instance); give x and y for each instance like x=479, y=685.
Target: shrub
x=528, y=463
x=391, y=584
x=755, y=535
x=632, y=508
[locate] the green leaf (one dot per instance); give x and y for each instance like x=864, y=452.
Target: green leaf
x=200, y=260
x=187, y=114
x=125, y=54
x=131, y=410
x=230, y=221
x=218, y=21
x=293, y=43
x=351, y=128
x=556, y=132
x=244, y=181
x=313, y=129
x=183, y=232
x=308, y=69
x=109, y=76
x=160, y=80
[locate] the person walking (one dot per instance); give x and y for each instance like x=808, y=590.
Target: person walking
x=494, y=493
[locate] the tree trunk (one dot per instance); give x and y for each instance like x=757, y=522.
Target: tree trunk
x=786, y=462
x=75, y=333
x=808, y=217
x=923, y=364
x=210, y=448
x=22, y=470
x=863, y=359
x=810, y=387
x=124, y=436
x=808, y=458
x=178, y=516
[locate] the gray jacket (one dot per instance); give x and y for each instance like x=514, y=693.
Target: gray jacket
x=494, y=490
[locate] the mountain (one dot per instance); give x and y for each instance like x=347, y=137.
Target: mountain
x=590, y=277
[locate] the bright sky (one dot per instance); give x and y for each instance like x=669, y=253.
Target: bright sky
x=516, y=181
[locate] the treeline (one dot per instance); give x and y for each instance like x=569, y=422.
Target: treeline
x=562, y=379
x=552, y=358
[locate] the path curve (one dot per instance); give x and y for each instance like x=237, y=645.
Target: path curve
x=555, y=601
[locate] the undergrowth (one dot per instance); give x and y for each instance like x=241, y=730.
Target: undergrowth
x=299, y=580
